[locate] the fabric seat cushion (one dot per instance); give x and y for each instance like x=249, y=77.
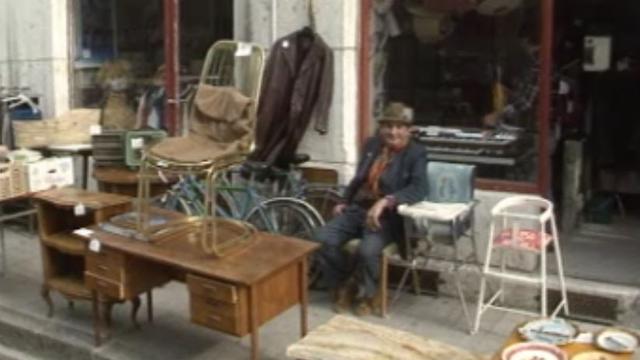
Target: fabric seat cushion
x=221, y=125
x=526, y=239
x=434, y=211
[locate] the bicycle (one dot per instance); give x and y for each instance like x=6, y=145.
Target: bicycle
x=290, y=183
x=281, y=215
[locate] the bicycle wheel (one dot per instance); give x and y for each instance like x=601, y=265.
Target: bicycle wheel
x=171, y=201
x=285, y=216
x=291, y=217
x=323, y=199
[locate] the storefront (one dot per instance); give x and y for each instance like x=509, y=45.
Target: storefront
x=461, y=65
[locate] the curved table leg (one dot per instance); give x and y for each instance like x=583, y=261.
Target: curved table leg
x=47, y=298
x=135, y=306
x=149, y=306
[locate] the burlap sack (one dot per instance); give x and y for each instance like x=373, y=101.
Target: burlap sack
x=222, y=123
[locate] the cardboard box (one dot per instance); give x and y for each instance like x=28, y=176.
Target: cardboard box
x=50, y=173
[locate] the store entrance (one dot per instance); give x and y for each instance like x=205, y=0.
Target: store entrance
x=596, y=178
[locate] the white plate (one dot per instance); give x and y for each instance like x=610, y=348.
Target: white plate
x=616, y=341
x=549, y=331
x=594, y=355
x=531, y=350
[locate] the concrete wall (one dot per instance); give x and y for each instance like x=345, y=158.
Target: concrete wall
x=337, y=23
x=34, y=50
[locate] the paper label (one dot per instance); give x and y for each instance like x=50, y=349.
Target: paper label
x=95, y=129
x=137, y=143
x=84, y=232
x=94, y=245
x=79, y=209
x=244, y=49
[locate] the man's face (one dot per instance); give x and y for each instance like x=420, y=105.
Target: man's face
x=394, y=134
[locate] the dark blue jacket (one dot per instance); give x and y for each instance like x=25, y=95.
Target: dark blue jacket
x=405, y=178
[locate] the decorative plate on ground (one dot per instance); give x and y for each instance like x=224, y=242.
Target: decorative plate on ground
x=532, y=350
x=594, y=355
x=615, y=340
x=549, y=331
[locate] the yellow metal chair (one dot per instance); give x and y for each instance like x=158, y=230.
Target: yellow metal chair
x=221, y=133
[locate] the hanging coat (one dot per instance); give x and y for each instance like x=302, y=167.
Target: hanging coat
x=297, y=89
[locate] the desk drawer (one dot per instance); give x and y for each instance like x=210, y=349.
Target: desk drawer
x=106, y=264
x=212, y=289
x=103, y=286
x=214, y=314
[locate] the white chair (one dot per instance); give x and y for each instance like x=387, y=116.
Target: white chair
x=521, y=224
x=441, y=220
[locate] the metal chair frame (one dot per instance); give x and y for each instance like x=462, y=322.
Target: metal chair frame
x=218, y=69
x=506, y=214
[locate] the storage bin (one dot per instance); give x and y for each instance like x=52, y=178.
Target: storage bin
x=136, y=140
x=50, y=173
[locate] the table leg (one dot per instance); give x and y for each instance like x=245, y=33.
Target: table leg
x=149, y=306
x=304, y=298
x=253, y=322
x=95, y=304
x=3, y=248
x=85, y=170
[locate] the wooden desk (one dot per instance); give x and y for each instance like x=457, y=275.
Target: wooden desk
x=571, y=349
x=235, y=294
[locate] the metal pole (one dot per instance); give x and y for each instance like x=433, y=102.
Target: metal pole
x=172, y=63
x=544, y=102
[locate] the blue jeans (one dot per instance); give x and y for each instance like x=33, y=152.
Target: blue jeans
x=334, y=262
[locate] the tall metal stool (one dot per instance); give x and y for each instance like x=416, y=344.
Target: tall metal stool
x=521, y=224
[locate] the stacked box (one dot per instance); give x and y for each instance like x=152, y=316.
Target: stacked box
x=50, y=173
x=108, y=148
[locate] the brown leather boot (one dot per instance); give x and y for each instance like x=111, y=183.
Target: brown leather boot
x=364, y=307
x=341, y=298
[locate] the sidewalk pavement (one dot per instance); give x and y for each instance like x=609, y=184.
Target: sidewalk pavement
x=26, y=332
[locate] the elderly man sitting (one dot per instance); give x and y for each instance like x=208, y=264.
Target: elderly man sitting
x=390, y=172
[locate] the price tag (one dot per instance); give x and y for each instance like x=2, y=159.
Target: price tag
x=137, y=143
x=162, y=177
x=244, y=49
x=79, y=209
x=84, y=232
x=95, y=129
x=94, y=245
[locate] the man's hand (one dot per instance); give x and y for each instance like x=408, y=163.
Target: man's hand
x=490, y=120
x=373, y=215
x=338, y=209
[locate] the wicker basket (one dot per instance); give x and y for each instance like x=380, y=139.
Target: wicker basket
x=19, y=184
x=5, y=181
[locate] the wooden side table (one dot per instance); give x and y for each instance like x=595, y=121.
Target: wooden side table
x=124, y=181
x=63, y=253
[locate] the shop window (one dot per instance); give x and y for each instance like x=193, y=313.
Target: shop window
x=471, y=75
x=118, y=45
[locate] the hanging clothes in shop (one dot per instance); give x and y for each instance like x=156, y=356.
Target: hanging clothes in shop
x=296, y=90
